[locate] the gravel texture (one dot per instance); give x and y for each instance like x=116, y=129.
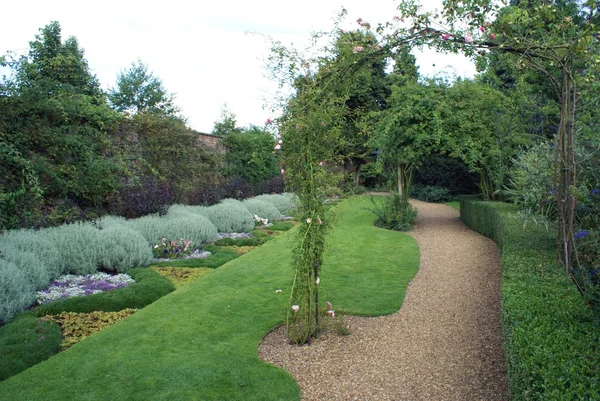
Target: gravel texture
x=445, y=343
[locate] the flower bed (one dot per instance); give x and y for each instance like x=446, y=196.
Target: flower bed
x=69, y=285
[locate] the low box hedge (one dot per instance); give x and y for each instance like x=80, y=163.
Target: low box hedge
x=551, y=337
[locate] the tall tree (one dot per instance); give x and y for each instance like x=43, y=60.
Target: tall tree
x=250, y=155
x=55, y=116
x=227, y=124
x=410, y=130
x=139, y=91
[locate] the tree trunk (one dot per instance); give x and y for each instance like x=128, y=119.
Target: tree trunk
x=357, y=174
x=404, y=180
x=565, y=171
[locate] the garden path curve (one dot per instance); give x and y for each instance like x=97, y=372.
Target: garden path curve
x=445, y=343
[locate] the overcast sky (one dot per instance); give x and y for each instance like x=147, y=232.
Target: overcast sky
x=199, y=49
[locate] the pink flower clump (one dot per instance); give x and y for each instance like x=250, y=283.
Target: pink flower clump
x=357, y=49
x=468, y=38
x=446, y=36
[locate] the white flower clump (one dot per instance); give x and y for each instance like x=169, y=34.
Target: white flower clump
x=260, y=220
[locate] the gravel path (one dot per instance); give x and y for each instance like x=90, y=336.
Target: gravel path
x=445, y=343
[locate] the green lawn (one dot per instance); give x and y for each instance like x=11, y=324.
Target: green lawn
x=454, y=204
x=200, y=341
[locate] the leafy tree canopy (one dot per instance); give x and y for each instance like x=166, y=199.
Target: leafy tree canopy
x=139, y=91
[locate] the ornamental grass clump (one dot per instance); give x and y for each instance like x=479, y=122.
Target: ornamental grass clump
x=122, y=248
x=230, y=217
x=69, y=286
x=283, y=203
x=16, y=292
x=195, y=228
x=262, y=209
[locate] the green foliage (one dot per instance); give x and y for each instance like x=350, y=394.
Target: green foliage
x=219, y=257
x=262, y=209
x=179, y=210
x=283, y=202
x=394, y=213
x=16, y=291
x=35, y=269
x=55, y=118
x=139, y=91
x=482, y=132
x=196, y=228
x=77, y=326
x=26, y=341
x=531, y=181
x=79, y=246
x=551, y=337
x=181, y=276
x=148, y=287
x=430, y=193
x=252, y=241
x=122, y=248
x=30, y=244
x=410, y=129
x=19, y=188
x=233, y=307
x=452, y=174
x=280, y=226
x=230, y=217
x=170, y=150
x=226, y=125
x=250, y=155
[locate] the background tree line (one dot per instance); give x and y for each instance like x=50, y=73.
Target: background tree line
x=70, y=150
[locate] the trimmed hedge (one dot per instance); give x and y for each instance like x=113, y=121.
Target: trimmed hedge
x=551, y=337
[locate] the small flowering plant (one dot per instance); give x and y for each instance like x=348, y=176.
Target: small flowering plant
x=69, y=285
x=259, y=221
x=172, y=249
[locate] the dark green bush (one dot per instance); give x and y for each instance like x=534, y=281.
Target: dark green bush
x=551, y=337
x=393, y=213
x=26, y=341
x=149, y=287
x=429, y=193
x=452, y=174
